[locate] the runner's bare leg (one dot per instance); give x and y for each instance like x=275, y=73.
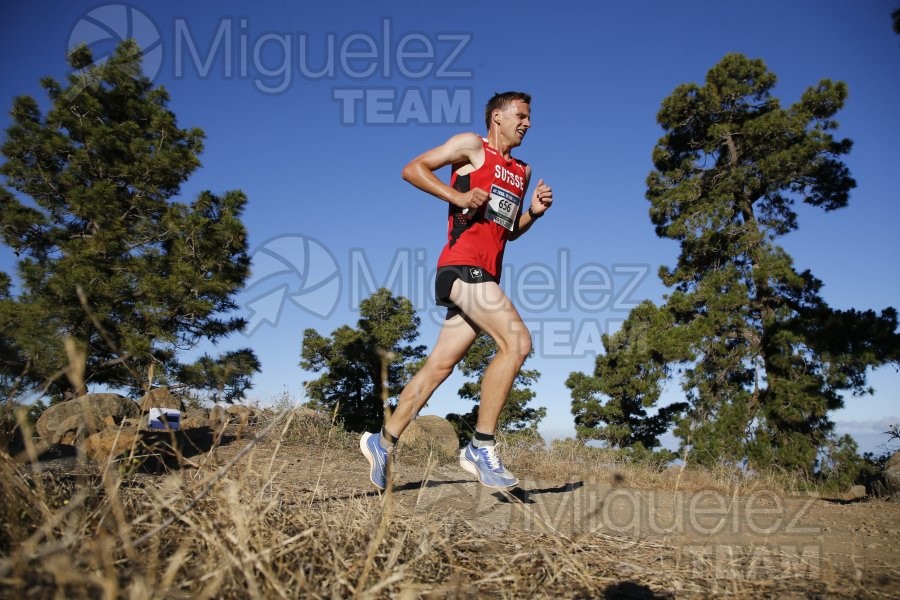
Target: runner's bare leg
x=455, y=338
x=493, y=312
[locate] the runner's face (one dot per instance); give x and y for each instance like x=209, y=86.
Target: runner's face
x=515, y=120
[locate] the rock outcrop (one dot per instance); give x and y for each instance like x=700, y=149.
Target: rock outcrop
x=892, y=476
x=60, y=423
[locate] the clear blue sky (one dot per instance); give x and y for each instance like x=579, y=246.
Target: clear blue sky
x=312, y=108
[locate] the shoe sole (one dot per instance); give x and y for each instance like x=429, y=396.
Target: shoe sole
x=368, y=454
x=467, y=465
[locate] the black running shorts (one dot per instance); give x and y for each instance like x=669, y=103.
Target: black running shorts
x=443, y=283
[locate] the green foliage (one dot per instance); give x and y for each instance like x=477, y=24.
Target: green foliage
x=760, y=356
x=876, y=463
x=893, y=432
x=657, y=458
x=104, y=256
x=840, y=465
x=350, y=360
x=225, y=378
x=630, y=374
x=11, y=360
x=516, y=416
x=10, y=411
x=464, y=424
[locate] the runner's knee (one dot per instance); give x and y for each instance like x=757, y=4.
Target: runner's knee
x=524, y=345
x=517, y=344
x=439, y=369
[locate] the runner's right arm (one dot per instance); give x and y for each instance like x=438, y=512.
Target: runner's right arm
x=461, y=151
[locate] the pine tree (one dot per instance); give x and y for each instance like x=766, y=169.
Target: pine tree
x=106, y=257
x=11, y=361
x=350, y=360
x=630, y=375
x=224, y=379
x=762, y=358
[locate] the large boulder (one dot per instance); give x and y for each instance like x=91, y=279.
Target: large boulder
x=160, y=398
x=77, y=427
x=109, y=443
x=195, y=418
x=431, y=434
x=892, y=476
x=91, y=412
x=218, y=416
x=136, y=447
x=242, y=415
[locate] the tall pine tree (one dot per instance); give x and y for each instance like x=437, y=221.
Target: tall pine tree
x=761, y=356
x=106, y=258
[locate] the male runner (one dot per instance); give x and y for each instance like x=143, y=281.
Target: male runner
x=486, y=193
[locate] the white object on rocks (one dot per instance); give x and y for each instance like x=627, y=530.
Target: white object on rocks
x=164, y=419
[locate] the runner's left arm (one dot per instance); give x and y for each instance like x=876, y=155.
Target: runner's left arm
x=541, y=199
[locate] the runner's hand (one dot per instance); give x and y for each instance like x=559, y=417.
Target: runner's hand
x=542, y=197
x=472, y=200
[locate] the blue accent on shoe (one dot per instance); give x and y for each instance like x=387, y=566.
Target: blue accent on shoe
x=370, y=445
x=484, y=464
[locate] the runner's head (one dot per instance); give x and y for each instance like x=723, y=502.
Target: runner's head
x=509, y=113
x=501, y=101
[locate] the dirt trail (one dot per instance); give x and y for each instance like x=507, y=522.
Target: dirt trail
x=734, y=537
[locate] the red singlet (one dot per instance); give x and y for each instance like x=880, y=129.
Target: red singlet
x=480, y=241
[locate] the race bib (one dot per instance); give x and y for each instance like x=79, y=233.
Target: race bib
x=503, y=207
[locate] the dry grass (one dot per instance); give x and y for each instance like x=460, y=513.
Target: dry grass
x=570, y=459
x=244, y=524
